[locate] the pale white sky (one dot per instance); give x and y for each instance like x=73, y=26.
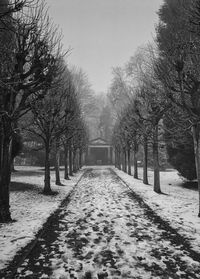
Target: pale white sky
x=103, y=33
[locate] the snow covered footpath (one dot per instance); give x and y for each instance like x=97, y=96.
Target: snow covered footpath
x=177, y=205
x=104, y=232
x=30, y=208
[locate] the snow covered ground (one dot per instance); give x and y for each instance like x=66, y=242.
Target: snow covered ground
x=30, y=208
x=104, y=232
x=179, y=205
x=101, y=216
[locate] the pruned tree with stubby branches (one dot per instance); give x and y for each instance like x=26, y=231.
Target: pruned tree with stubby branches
x=142, y=95
x=50, y=122
x=29, y=64
x=75, y=138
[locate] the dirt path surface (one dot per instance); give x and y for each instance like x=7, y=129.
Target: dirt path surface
x=104, y=232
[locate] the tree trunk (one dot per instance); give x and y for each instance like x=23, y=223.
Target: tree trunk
x=119, y=158
x=196, y=139
x=125, y=161
x=145, y=162
x=80, y=158
x=57, y=165
x=116, y=163
x=5, y=177
x=70, y=161
x=66, y=164
x=74, y=161
x=47, y=184
x=135, y=163
x=156, y=161
x=77, y=160
x=129, y=160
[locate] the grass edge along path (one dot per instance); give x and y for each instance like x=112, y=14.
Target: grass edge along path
x=10, y=271
x=171, y=233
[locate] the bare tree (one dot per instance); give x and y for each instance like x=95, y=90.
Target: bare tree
x=51, y=122
x=26, y=75
x=7, y=8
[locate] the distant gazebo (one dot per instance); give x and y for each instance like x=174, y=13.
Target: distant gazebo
x=99, y=152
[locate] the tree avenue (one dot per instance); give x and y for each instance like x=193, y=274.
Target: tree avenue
x=157, y=92
x=143, y=111
x=34, y=82
x=152, y=108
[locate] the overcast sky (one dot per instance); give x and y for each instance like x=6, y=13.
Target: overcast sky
x=103, y=33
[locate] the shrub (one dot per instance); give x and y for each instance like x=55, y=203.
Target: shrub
x=182, y=159
x=179, y=144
